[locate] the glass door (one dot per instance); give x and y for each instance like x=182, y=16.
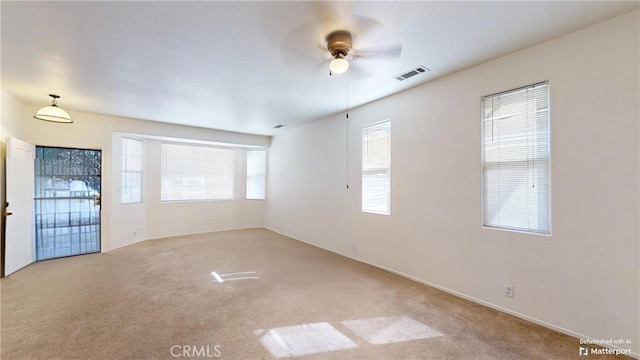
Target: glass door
x=67, y=202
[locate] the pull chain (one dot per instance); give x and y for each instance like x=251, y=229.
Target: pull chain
x=347, y=130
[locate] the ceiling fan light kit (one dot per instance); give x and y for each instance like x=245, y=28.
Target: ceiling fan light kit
x=53, y=113
x=338, y=65
x=339, y=43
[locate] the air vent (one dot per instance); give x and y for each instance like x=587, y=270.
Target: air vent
x=411, y=73
x=278, y=126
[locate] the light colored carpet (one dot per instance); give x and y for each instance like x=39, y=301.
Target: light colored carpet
x=159, y=300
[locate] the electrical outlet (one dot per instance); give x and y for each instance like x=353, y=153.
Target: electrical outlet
x=354, y=249
x=508, y=290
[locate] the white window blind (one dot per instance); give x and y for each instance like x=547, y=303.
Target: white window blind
x=376, y=167
x=516, y=159
x=256, y=169
x=131, y=186
x=197, y=173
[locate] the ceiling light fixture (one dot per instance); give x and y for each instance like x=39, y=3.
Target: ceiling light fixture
x=53, y=113
x=339, y=43
x=338, y=65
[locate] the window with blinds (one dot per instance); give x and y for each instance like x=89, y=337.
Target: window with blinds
x=131, y=186
x=516, y=159
x=197, y=173
x=376, y=167
x=256, y=169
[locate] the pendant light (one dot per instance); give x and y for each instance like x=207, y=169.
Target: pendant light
x=53, y=113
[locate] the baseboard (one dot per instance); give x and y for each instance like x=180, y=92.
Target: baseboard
x=187, y=234
x=470, y=298
x=206, y=232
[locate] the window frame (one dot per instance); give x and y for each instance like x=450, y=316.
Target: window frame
x=124, y=171
x=264, y=174
x=547, y=160
x=386, y=169
x=233, y=150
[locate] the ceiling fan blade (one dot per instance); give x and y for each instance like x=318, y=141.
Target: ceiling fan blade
x=327, y=14
x=375, y=41
x=357, y=71
x=322, y=66
x=390, y=51
x=303, y=47
x=365, y=27
x=339, y=15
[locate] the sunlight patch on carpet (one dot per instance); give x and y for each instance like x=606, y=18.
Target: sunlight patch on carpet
x=390, y=329
x=305, y=339
x=244, y=275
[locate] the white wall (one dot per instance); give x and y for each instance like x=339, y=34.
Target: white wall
x=583, y=279
x=152, y=219
x=11, y=124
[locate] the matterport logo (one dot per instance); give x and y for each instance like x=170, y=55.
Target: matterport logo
x=614, y=347
x=194, y=351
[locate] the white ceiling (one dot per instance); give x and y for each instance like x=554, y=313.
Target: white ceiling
x=248, y=66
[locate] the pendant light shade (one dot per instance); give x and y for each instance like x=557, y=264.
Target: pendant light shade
x=338, y=65
x=53, y=113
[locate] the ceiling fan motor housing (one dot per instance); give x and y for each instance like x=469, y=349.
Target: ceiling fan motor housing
x=339, y=43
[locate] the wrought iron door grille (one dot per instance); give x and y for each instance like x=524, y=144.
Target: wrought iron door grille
x=67, y=193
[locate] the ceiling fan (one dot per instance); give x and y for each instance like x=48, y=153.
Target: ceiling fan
x=339, y=43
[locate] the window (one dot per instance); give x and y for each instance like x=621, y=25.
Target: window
x=376, y=166
x=131, y=187
x=256, y=166
x=197, y=173
x=516, y=159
